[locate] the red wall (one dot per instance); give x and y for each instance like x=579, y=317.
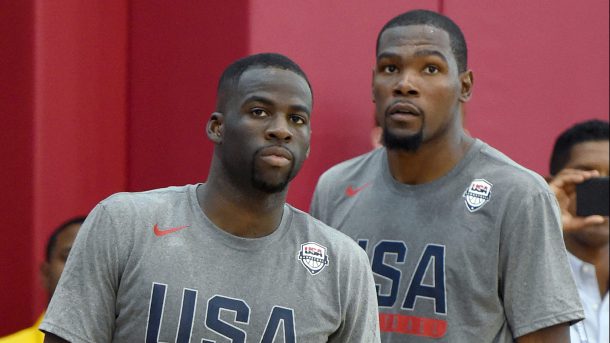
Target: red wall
x=335, y=45
x=103, y=96
x=539, y=66
x=177, y=54
x=80, y=110
x=63, y=101
x=16, y=170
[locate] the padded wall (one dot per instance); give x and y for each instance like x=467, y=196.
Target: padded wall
x=101, y=96
x=63, y=76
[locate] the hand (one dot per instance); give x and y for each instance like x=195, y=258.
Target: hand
x=564, y=187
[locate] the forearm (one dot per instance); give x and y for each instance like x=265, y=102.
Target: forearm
x=51, y=338
x=554, y=334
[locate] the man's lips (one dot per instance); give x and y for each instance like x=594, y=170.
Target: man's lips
x=276, y=156
x=403, y=108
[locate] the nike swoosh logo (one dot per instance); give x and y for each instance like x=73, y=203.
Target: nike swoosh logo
x=351, y=191
x=158, y=232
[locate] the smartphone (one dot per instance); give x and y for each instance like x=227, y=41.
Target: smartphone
x=592, y=197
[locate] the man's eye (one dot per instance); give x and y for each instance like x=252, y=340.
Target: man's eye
x=431, y=69
x=298, y=119
x=390, y=69
x=258, y=112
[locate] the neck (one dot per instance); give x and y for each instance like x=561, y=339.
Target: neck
x=240, y=211
x=434, y=159
x=598, y=257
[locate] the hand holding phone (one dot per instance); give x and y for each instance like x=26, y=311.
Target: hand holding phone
x=592, y=197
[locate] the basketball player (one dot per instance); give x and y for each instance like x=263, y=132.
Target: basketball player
x=227, y=260
x=465, y=244
x=579, y=153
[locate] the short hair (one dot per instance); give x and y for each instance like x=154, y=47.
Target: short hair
x=231, y=75
x=587, y=131
x=425, y=17
x=52, y=242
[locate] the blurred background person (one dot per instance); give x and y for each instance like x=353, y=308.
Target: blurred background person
x=581, y=153
x=58, y=248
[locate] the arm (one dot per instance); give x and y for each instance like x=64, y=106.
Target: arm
x=361, y=316
x=51, y=338
x=554, y=334
x=539, y=293
x=564, y=187
x=82, y=308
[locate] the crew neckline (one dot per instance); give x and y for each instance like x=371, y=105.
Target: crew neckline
x=233, y=241
x=399, y=187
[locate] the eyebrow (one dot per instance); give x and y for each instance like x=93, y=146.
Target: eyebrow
x=423, y=53
x=256, y=98
x=420, y=53
x=265, y=101
x=388, y=55
x=583, y=166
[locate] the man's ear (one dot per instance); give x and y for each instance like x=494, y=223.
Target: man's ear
x=466, y=80
x=373, y=85
x=45, y=276
x=215, y=127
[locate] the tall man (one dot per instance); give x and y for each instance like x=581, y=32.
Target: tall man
x=579, y=153
x=228, y=260
x=465, y=244
x=58, y=247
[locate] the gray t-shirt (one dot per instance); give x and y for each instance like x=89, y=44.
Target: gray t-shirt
x=151, y=267
x=475, y=256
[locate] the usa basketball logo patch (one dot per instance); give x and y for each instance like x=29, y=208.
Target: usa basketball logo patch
x=313, y=257
x=477, y=194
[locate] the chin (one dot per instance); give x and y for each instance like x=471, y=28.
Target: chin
x=270, y=183
x=271, y=180
x=405, y=142
x=593, y=236
x=270, y=188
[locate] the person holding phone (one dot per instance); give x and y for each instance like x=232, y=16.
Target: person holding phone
x=580, y=155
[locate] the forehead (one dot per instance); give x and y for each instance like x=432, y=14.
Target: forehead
x=592, y=154
x=276, y=84
x=67, y=236
x=398, y=38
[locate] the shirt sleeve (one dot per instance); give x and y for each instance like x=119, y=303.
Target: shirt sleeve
x=82, y=308
x=318, y=207
x=361, y=319
x=536, y=283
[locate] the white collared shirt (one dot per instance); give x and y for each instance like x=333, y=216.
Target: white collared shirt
x=596, y=307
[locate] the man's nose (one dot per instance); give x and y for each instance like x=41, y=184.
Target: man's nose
x=279, y=129
x=406, y=84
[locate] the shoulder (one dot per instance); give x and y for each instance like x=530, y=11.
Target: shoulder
x=354, y=165
x=351, y=171
x=508, y=174
x=152, y=200
x=128, y=213
x=335, y=241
